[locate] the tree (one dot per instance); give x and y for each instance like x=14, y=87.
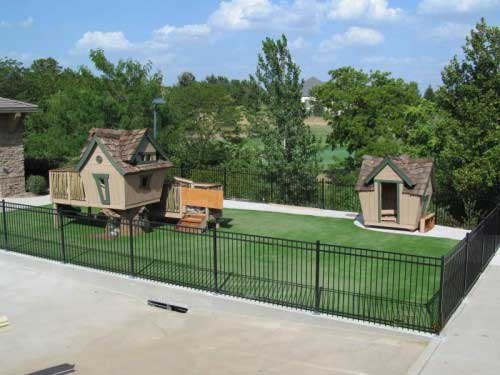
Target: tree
x=471, y=95
x=12, y=79
x=119, y=96
x=429, y=94
x=185, y=79
x=202, y=122
x=290, y=149
x=367, y=111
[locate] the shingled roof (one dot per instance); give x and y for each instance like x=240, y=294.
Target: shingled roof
x=15, y=106
x=121, y=146
x=416, y=173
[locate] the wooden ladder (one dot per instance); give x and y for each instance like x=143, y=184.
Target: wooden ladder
x=192, y=223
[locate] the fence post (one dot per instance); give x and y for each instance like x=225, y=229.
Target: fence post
x=441, y=294
x=317, y=295
x=131, y=244
x=483, y=244
x=61, y=231
x=323, y=193
x=4, y=216
x=466, y=265
x=225, y=182
x=216, y=284
x=272, y=189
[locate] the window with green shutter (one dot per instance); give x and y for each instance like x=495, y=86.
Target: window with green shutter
x=102, y=184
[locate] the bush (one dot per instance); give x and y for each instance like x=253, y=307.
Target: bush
x=37, y=185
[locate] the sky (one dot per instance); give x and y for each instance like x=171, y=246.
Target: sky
x=413, y=39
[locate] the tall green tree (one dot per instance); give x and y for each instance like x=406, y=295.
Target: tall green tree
x=120, y=96
x=186, y=79
x=12, y=79
x=367, y=111
x=290, y=149
x=471, y=95
x=429, y=94
x=201, y=122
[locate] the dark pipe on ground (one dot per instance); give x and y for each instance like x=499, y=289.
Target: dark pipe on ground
x=167, y=306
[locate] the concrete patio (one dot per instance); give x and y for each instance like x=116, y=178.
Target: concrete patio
x=100, y=324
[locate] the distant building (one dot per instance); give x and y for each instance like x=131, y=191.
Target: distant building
x=307, y=99
x=12, y=113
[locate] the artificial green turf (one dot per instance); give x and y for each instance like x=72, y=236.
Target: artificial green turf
x=329, y=230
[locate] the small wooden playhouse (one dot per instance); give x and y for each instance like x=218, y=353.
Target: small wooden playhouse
x=395, y=192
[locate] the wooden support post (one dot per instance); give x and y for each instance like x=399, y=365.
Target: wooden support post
x=68, y=185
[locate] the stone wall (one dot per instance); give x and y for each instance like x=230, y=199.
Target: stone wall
x=11, y=155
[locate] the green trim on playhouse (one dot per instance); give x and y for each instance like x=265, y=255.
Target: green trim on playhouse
x=398, y=192
x=395, y=168
x=379, y=187
x=90, y=149
x=389, y=181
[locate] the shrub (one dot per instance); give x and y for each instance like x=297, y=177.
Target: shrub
x=37, y=185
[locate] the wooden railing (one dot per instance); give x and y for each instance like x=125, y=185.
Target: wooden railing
x=66, y=185
x=173, y=203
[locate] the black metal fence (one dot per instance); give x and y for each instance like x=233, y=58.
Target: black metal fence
x=319, y=193
x=416, y=292
x=463, y=265
x=269, y=188
x=384, y=287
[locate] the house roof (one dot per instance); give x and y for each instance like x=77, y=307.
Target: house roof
x=15, y=106
x=309, y=84
x=121, y=147
x=415, y=173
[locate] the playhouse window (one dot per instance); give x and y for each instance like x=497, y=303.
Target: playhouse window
x=102, y=185
x=145, y=181
x=146, y=157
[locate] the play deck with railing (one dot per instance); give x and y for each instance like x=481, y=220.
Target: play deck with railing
x=66, y=186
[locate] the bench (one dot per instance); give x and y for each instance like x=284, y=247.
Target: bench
x=427, y=222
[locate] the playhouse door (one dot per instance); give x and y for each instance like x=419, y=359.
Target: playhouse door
x=389, y=209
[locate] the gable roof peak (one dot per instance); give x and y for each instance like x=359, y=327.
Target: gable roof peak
x=415, y=172
x=121, y=147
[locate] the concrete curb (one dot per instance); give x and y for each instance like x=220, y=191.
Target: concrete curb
x=424, y=358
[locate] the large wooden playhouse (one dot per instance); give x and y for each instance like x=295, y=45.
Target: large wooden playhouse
x=122, y=173
x=395, y=192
